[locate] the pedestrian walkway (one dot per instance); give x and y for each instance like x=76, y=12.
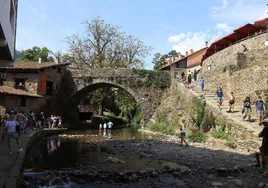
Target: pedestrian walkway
x=236, y=116
x=11, y=164
x=8, y=162
x=245, y=133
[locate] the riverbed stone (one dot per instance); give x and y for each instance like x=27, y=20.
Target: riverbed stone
x=217, y=184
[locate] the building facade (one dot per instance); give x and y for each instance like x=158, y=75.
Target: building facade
x=31, y=85
x=8, y=24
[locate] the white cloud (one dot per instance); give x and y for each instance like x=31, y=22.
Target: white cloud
x=194, y=40
x=176, y=38
x=224, y=27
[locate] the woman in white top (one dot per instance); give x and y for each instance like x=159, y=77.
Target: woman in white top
x=11, y=132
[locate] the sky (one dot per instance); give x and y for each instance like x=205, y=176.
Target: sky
x=164, y=25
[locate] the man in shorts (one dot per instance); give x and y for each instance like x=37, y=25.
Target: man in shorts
x=110, y=126
x=219, y=94
x=260, y=108
x=11, y=132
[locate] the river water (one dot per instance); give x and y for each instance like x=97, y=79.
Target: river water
x=76, y=150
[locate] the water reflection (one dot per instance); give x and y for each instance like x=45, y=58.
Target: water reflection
x=53, y=144
x=72, y=151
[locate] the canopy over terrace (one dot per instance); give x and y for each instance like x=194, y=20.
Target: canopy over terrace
x=237, y=35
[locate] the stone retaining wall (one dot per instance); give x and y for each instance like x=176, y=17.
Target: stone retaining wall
x=242, y=135
x=241, y=68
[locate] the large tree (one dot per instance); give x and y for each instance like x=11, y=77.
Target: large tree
x=33, y=54
x=103, y=45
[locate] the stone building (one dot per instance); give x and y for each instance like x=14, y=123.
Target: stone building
x=194, y=60
x=30, y=85
x=190, y=62
x=239, y=61
x=8, y=24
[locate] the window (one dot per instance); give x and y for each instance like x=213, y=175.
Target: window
x=22, y=101
x=12, y=15
x=49, y=89
x=19, y=83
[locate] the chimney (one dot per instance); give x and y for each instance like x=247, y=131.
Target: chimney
x=191, y=51
x=40, y=60
x=186, y=53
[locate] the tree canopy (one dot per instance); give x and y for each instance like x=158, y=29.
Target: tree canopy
x=33, y=54
x=103, y=45
x=159, y=58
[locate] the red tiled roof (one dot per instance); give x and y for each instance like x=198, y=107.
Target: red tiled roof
x=237, y=35
x=34, y=65
x=178, y=60
x=6, y=90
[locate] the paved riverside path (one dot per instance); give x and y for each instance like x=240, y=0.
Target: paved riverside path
x=11, y=164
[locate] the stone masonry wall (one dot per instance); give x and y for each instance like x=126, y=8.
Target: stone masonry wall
x=187, y=98
x=241, y=68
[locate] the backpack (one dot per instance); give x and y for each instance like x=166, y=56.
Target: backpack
x=247, y=104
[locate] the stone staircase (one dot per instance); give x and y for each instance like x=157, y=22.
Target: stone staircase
x=251, y=129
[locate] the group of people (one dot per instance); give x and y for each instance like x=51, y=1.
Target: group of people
x=187, y=80
x=247, y=105
x=14, y=124
x=106, y=125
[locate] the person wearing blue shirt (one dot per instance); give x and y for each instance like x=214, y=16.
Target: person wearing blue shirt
x=110, y=126
x=219, y=94
x=260, y=108
x=202, y=82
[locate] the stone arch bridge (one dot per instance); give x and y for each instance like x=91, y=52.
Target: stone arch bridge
x=149, y=97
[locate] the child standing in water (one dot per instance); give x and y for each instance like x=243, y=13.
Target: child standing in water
x=183, y=132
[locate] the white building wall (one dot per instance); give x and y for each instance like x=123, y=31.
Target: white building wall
x=8, y=29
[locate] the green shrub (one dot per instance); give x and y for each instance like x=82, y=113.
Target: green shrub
x=199, y=137
x=159, y=79
x=230, y=144
x=200, y=113
x=162, y=127
x=219, y=133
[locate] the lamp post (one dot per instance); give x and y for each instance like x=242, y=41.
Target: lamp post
x=3, y=76
x=206, y=44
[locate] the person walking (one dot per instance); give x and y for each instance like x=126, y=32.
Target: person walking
x=189, y=81
x=11, y=132
x=183, y=132
x=219, y=94
x=182, y=76
x=231, y=102
x=110, y=126
x=202, y=82
x=260, y=108
x=100, y=128
x=104, y=127
x=247, y=108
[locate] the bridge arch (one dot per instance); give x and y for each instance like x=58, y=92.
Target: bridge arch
x=148, y=97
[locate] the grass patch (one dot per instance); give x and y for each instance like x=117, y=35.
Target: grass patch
x=162, y=127
x=198, y=137
x=219, y=133
x=230, y=144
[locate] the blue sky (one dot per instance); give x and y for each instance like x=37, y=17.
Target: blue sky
x=162, y=24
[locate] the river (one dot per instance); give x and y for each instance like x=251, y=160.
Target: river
x=79, y=150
